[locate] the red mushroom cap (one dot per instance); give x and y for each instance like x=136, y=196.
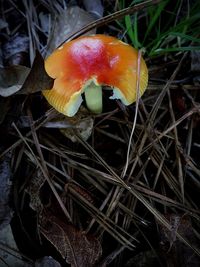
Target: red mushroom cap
x=101, y=59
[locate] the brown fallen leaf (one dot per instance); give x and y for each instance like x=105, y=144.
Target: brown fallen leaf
x=37, y=80
x=76, y=247
x=22, y=80
x=12, y=79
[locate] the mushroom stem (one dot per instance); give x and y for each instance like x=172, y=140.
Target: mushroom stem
x=93, y=97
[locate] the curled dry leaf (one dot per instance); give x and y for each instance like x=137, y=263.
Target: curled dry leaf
x=22, y=80
x=76, y=247
x=81, y=124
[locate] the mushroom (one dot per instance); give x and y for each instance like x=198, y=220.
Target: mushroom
x=86, y=64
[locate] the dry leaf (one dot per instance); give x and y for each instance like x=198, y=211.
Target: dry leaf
x=81, y=124
x=37, y=79
x=67, y=23
x=77, y=248
x=12, y=79
x=22, y=80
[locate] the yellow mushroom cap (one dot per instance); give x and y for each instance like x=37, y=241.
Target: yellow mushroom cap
x=102, y=59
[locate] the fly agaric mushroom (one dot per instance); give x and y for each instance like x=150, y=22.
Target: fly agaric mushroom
x=86, y=64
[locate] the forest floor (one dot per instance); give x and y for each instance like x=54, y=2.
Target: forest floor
x=120, y=188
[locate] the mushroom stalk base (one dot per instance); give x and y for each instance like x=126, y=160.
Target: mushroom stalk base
x=93, y=97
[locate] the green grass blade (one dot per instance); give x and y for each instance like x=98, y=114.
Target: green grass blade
x=155, y=14
x=132, y=30
x=185, y=36
x=174, y=49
